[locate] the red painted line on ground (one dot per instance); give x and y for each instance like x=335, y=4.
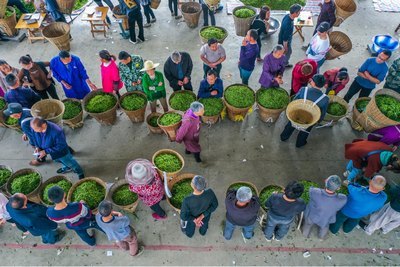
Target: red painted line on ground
x=208, y=248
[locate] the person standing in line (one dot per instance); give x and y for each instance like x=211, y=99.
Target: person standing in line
x=178, y=70
x=212, y=86
x=130, y=71
x=327, y=14
x=212, y=54
x=148, y=12
x=273, y=68
x=393, y=77
x=5, y=216
x=248, y=54
x=207, y=11
x=261, y=25
x=154, y=86
x=5, y=69
x=110, y=80
x=173, y=7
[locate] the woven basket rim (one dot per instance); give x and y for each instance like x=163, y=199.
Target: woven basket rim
x=172, y=125
x=168, y=151
x=115, y=187
x=92, y=94
x=178, y=178
x=132, y=93
x=22, y=172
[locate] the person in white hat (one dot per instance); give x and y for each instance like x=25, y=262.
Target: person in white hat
x=144, y=180
x=154, y=86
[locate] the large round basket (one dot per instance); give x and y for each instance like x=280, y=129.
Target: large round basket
x=66, y=6
x=344, y=9
x=152, y=129
x=181, y=92
x=242, y=25
x=15, y=127
x=74, y=186
x=2, y=119
x=173, y=181
x=249, y=184
x=267, y=114
x=76, y=121
x=357, y=116
x=54, y=179
x=336, y=99
x=155, y=3
x=170, y=130
x=119, y=15
x=3, y=187
x=303, y=113
x=170, y=175
x=7, y=25
x=191, y=13
x=340, y=45
x=274, y=187
x=234, y=113
x=134, y=115
x=212, y=3
x=3, y=7
x=57, y=33
x=215, y=118
x=131, y=207
x=205, y=40
x=32, y=196
x=49, y=109
x=107, y=117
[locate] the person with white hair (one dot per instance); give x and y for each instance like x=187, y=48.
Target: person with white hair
x=189, y=132
x=178, y=70
x=361, y=201
x=241, y=210
x=197, y=208
x=144, y=180
x=323, y=206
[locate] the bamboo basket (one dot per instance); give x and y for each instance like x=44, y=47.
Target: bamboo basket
x=131, y=207
x=77, y=121
x=303, y=113
x=3, y=7
x=212, y=3
x=107, y=117
x=134, y=115
x=3, y=188
x=32, y=196
x=66, y=6
x=170, y=175
x=7, y=25
x=357, y=115
x=152, y=129
x=234, y=113
x=344, y=9
x=119, y=15
x=340, y=45
x=212, y=119
x=2, y=119
x=170, y=130
x=58, y=33
x=181, y=92
x=155, y=3
x=242, y=25
x=267, y=114
x=15, y=127
x=336, y=99
x=191, y=13
x=204, y=40
x=173, y=181
x=74, y=186
x=249, y=184
x=263, y=208
x=49, y=109
x=54, y=179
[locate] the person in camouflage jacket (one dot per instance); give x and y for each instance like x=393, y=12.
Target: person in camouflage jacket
x=129, y=71
x=393, y=77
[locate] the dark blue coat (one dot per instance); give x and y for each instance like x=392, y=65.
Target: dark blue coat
x=313, y=94
x=205, y=89
x=26, y=97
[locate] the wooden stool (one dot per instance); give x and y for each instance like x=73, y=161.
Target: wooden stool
x=98, y=23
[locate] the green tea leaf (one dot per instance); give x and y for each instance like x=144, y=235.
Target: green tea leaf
x=239, y=96
x=64, y=184
x=101, y=103
x=90, y=192
x=236, y=186
x=11, y=121
x=2, y=103
x=307, y=185
x=25, y=184
x=212, y=106
x=389, y=106
x=4, y=175
x=179, y=191
x=182, y=101
x=72, y=109
x=336, y=109
x=213, y=32
x=168, y=162
x=272, y=98
x=170, y=119
x=123, y=196
x=362, y=104
x=244, y=13
x=133, y=102
x=267, y=192
x=153, y=121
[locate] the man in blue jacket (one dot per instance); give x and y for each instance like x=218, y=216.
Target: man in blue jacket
x=314, y=94
x=26, y=97
x=16, y=111
x=49, y=138
x=32, y=217
x=286, y=31
x=211, y=86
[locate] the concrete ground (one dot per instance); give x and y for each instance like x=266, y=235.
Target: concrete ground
x=248, y=151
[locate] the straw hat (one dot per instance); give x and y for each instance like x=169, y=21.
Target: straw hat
x=149, y=65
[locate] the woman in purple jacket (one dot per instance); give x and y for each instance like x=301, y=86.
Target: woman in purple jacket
x=190, y=130
x=389, y=135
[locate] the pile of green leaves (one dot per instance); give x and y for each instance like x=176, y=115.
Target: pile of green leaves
x=133, y=102
x=179, y=191
x=64, y=184
x=239, y=96
x=25, y=184
x=79, y=4
x=244, y=13
x=272, y=98
x=2, y=103
x=236, y=186
x=213, y=32
x=170, y=119
x=336, y=109
x=90, y=192
x=101, y=103
x=168, y=162
x=123, y=196
x=306, y=193
x=389, y=106
x=273, y=4
x=212, y=106
x=72, y=109
x=267, y=192
x=153, y=121
x=182, y=101
x=362, y=104
x=11, y=121
x=4, y=175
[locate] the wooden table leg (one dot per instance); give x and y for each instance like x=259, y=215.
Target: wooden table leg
x=92, y=28
x=299, y=29
x=397, y=29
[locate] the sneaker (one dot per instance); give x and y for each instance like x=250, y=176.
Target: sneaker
x=92, y=233
x=132, y=42
x=139, y=252
x=276, y=239
x=289, y=66
x=345, y=174
x=153, y=20
x=178, y=17
x=60, y=235
x=141, y=40
x=64, y=170
x=35, y=162
x=268, y=240
x=158, y=217
x=146, y=25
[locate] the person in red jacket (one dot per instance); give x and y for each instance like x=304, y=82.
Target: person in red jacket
x=302, y=72
x=336, y=80
x=370, y=157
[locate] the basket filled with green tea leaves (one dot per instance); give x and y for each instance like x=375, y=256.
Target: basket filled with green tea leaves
x=134, y=105
x=168, y=161
x=169, y=122
x=180, y=187
x=61, y=181
x=73, y=113
x=337, y=109
x=101, y=106
x=212, y=109
x=25, y=181
x=271, y=103
x=216, y=32
x=239, y=99
x=91, y=190
x=152, y=124
x=181, y=100
x=121, y=196
x=243, y=17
